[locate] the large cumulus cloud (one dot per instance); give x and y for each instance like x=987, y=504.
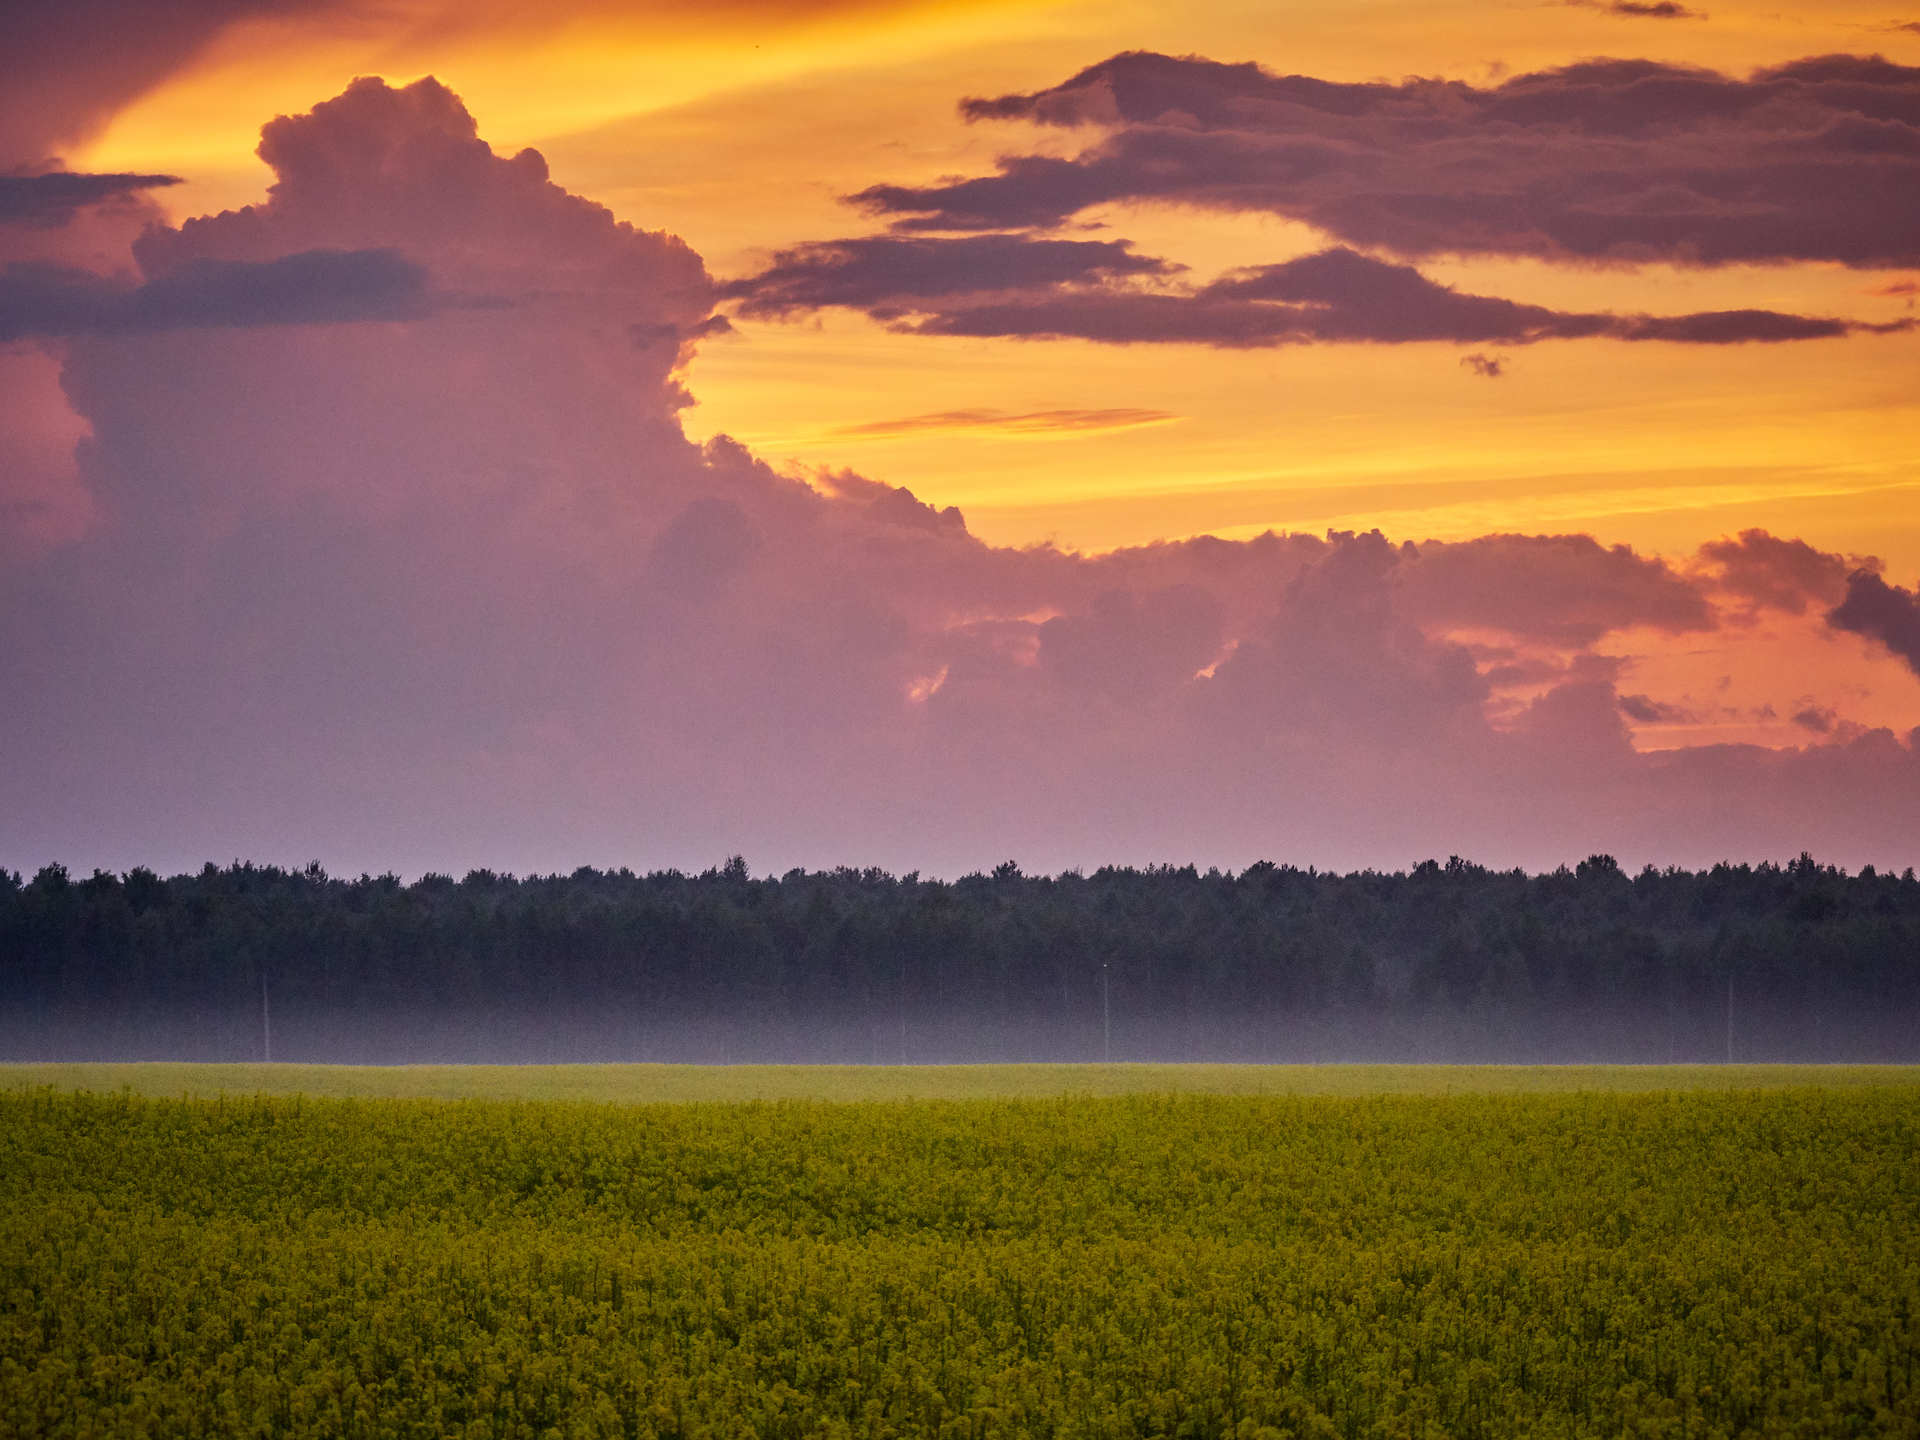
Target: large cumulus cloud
x=1605, y=160
x=451, y=586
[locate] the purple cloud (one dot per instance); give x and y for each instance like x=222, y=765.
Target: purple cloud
x=1887, y=613
x=1567, y=590
x=1021, y=287
x=310, y=288
x=462, y=592
x=1820, y=719
x=1788, y=575
x=884, y=273
x=1648, y=711
x=49, y=199
x=1640, y=9
x=1618, y=160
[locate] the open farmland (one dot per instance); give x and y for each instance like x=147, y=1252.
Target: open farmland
x=645, y=1084
x=1706, y=1262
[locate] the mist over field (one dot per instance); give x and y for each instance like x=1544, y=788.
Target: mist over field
x=1455, y=963
x=560, y=1036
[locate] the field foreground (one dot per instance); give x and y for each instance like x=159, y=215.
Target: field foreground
x=644, y=1084
x=1703, y=1262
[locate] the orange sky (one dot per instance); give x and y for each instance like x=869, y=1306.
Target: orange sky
x=738, y=126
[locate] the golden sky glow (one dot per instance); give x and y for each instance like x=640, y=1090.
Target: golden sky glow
x=738, y=126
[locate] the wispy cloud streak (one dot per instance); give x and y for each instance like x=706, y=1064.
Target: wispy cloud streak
x=1009, y=422
x=1333, y=296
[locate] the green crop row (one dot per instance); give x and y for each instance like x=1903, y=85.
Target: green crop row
x=1704, y=1264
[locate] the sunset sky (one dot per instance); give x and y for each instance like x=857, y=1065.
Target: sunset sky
x=923, y=434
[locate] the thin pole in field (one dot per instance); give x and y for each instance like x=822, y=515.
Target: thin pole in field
x=1106, y=1016
x=1729, y=1017
x=266, y=1021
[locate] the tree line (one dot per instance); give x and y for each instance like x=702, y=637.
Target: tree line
x=1452, y=961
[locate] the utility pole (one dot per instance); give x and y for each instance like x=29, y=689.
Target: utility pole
x=266, y=1021
x=1729, y=1017
x=1106, y=1017
x=903, y=1007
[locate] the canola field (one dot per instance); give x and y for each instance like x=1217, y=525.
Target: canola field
x=1696, y=1263
x=644, y=1084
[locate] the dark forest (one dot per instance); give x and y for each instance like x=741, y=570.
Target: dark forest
x=1452, y=962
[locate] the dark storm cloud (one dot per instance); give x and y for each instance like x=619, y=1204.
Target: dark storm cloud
x=49, y=199
x=1052, y=289
x=1619, y=160
x=1883, y=612
x=882, y=272
x=315, y=287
